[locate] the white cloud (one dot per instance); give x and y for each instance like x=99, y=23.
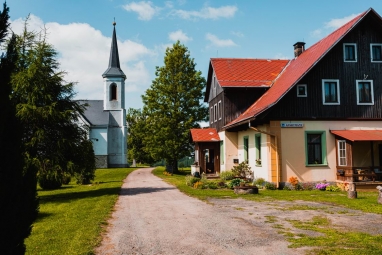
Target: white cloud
x=336, y=23
x=179, y=35
x=215, y=41
x=237, y=33
x=331, y=26
x=84, y=55
x=208, y=13
x=145, y=10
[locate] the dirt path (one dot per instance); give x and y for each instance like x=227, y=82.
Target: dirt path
x=153, y=217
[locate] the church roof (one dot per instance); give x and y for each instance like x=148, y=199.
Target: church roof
x=94, y=113
x=114, y=69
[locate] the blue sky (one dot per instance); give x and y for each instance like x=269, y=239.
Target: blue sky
x=81, y=32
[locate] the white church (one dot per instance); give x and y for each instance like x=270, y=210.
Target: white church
x=106, y=118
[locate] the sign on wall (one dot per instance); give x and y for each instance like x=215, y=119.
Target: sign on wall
x=292, y=125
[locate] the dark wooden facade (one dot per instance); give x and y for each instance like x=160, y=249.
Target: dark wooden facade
x=332, y=66
x=208, y=156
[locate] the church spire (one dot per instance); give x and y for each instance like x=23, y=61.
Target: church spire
x=114, y=68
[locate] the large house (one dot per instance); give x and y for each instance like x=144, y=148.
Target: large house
x=106, y=118
x=317, y=116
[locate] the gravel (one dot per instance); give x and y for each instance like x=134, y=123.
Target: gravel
x=153, y=217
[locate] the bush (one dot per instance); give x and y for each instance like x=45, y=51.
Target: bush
x=50, y=180
x=288, y=186
x=198, y=185
x=308, y=185
x=259, y=182
x=227, y=175
x=242, y=170
x=221, y=184
x=333, y=188
x=66, y=178
x=212, y=185
x=270, y=185
x=191, y=180
x=235, y=182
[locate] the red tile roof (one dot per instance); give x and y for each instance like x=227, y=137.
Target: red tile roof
x=204, y=135
x=359, y=135
x=236, y=72
x=296, y=70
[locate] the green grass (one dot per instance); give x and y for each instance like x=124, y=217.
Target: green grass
x=71, y=218
x=366, y=201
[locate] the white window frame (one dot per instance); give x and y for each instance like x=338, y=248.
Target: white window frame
x=355, y=51
x=214, y=81
x=371, y=52
x=372, y=92
x=212, y=114
x=215, y=113
x=304, y=86
x=339, y=149
x=338, y=91
x=220, y=109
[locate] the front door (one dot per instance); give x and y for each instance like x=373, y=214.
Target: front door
x=210, y=166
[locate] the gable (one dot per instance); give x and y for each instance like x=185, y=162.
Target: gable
x=296, y=70
x=94, y=113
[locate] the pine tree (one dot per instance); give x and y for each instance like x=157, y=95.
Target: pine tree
x=173, y=105
x=49, y=115
x=18, y=198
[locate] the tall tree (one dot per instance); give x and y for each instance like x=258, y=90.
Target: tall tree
x=173, y=105
x=136, y=129
x=18, y=198
x=46, y=109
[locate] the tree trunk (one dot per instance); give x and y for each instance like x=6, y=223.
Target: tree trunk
x=172, y=166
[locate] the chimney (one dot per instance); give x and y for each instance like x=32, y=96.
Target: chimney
x=298, y=48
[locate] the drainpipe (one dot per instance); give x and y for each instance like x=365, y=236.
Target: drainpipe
x=277, y=151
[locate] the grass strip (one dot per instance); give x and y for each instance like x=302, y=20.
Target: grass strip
x=71, y=218
x=366, y=201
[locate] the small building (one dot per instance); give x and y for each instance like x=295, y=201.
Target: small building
x=317, y=116
x=106, y=118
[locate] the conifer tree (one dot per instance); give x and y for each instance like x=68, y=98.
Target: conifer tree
x=173, y=105
x=18, y=199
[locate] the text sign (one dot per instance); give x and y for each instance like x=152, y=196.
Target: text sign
x=292, y=125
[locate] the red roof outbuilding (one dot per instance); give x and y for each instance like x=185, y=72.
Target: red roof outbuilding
x=204, y=135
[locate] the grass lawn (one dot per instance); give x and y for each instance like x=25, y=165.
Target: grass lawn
x=71, y=218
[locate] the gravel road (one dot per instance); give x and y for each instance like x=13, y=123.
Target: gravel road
x=153, y=217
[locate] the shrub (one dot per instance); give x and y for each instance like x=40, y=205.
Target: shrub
x=191, y=180
x=307, y=185
x=50, y=180
x=212, y=185
x=259, y=182
x=221, y=184
x=227, y=175
x=333, y=188
x=270, y=185
x=66, y=178
x=235, y=182
x=344, y=186
x=242, y=170
x=288, y=186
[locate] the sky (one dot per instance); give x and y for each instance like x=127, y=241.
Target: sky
x=81, y=30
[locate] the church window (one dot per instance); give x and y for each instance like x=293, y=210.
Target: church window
x=113, y=92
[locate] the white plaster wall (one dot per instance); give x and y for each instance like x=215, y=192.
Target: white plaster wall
x=293, y=148
x=115, y=104
x=98, y=136
x=258, y=171
x=230, y=149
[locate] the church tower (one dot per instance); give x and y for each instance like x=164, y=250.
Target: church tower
x=114, y=104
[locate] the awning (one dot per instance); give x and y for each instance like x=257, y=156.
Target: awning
x=204, y=135
x=359, y=135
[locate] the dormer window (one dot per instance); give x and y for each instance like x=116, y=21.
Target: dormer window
x=113, y=92
x=350, y=52
x=376, y=52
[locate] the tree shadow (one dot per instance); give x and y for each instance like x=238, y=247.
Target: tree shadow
x=42, y=215
x=142, y=190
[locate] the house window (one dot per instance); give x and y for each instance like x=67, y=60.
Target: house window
x=214, y=82
x=221, y=152
x=113, y=92
x=376, y=52
x=258, y=149
x=342, y=153
x=331, y=92
x=212, y=114
x=220, y=109
x=246, y=149
x=315, y=145
x=350, y=52
x=215, y=113
x=365, y=93
x=301, y=90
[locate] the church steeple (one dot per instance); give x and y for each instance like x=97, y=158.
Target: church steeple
x=114, y=69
